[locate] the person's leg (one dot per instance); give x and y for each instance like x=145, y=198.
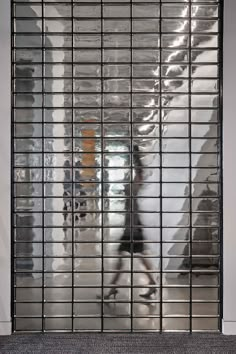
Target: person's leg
x=113, y=291
x=151, y=278
x=65, y=214
x=148, y=266
x=117, y=274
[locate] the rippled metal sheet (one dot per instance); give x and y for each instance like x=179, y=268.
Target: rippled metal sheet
x=91, y=80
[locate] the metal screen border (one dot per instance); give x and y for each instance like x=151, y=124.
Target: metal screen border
x=220, y=127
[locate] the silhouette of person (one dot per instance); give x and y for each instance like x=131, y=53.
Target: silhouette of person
x=132, y=240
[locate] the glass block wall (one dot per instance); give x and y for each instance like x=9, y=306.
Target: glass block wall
x=116, y=202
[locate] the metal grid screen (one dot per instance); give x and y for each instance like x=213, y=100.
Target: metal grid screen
x=116, y=184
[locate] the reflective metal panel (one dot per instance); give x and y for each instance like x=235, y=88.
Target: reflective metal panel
x=116, y=111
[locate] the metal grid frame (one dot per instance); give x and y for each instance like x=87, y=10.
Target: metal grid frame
x=130, y=107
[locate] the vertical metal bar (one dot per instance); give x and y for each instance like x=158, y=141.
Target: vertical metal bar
x=73, y=196
x=190, y=162
x=160, y=174
x=43, y=171
x=131, y=162
x=220, y=137
x=13, y=298
x=102, y=169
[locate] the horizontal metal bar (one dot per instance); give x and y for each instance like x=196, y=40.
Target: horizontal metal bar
x=197, y=273
x=111, y=331
x=125, y=212
x=169, y=302
x=87, y=168
x=165, y=109
x=75, y=154
x=134, y=93
x=194, y=256
x=184, y=242
x=111, y=3
x=107, y=107
x=125, y=138
x=117, y=33
x=157, y=61
x=78, y=197
x=174, y=286
x=110, y=123
x=113, y=227
x=113, y=317
x=121, y=63
x=120, y=47
x=112, y=18
x=101, y=80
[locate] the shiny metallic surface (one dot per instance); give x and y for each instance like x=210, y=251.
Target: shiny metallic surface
x=92, y=81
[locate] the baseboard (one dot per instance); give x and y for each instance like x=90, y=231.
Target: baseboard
x=229, y=328
x=5, y=328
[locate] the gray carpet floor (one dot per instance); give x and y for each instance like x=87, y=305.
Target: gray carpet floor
x=117, y=343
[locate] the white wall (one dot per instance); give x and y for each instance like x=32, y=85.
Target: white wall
x=229, y=317
x=229, y=118
x=5, y=126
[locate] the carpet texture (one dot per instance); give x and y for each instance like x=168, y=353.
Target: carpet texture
x=117, y=343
